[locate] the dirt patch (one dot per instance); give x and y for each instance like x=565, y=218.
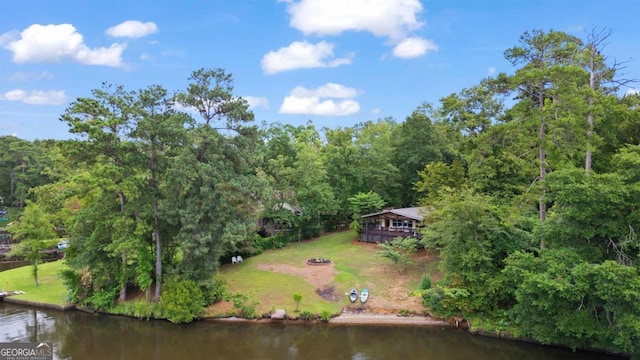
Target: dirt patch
x=318, y=276
x=329, y=294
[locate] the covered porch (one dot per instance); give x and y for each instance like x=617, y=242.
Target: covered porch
x=388, y=224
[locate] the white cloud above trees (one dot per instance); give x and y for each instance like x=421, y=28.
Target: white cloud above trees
x=321, y=101
x=302, y=55
x=257, y=101
x=35, y=97
x=395, y=20
x=132, y=29
x=58, y=43
x=413, y=47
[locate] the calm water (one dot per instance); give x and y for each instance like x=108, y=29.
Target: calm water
x=77, y=335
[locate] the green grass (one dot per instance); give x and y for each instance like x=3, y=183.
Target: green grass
x=355, y=265
x=50, y=289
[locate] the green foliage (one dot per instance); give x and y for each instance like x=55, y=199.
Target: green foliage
x=101, y=299
x=325, y=315
x=425, y=282
x=297, y=297
x=152, y=191
x=307, y=315
x=399, y=251
x=564, y=299
x=244, y=305
x=448, y=301
x=363, y=203
x=419, y=143
x=182, y=300
x=140, y=309
x=214, y=291
x=33, y=228
x=438, y=178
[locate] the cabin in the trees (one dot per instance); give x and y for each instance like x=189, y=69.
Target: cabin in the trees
x=278, y=220
x=388, y=224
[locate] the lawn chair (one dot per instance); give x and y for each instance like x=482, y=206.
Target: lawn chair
x=239, y=259
x=234, y=260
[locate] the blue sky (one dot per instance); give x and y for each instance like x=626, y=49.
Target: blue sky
x=334, y=62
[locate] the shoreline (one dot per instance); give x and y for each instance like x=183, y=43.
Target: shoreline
x=348, y=318
x=345, y=318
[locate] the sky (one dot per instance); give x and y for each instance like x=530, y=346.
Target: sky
x=336, y=63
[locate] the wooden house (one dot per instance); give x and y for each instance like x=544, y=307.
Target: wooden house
x=388, y=224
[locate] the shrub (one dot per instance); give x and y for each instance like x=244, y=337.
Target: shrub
x=297, y=297
x=182, y=300
x=307, y=315
x=425, y=282
x=102, y=299
x=245, y=308
x=325, y=315
x=214, y=291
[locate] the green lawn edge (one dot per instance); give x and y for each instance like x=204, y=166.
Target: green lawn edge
x=50, y=288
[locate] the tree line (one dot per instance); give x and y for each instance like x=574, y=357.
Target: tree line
x=530, y=180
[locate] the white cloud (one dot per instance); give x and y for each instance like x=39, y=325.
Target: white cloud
x=632, y=91
x=35, y=97
x=491, y=70
x=55, y=43
x=414, y=47
x=132, y=29
x=30, y=75
x=257, y=101
x=394, y=19
x=331, y=90
x=302, y=101
x=302, y=55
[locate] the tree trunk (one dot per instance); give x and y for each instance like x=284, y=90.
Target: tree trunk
x=156, y=223
x=542, y=205
x=35, y=270
x=592, y=85
x=123, y=289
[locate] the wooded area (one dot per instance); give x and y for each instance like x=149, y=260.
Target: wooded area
x=531, y=180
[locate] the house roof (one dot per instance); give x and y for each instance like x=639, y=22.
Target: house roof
x=411, y=213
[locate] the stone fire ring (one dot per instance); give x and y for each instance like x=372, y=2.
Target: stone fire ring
x=318, y=262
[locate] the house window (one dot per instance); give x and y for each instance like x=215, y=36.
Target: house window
x=403, y=224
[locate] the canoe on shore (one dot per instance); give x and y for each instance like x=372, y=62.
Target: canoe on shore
x=353, y=295
x=364, y=295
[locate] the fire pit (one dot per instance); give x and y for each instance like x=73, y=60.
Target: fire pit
x=318, y=262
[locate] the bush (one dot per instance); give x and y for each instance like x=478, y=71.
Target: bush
x=307, y=315
x=325, y=315
x=425, y=282
x=182, y=300
x=140, y=309
x=244, y=307
x=102, y=299
x=214, y=291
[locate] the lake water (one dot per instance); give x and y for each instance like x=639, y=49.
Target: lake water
x=78, y=335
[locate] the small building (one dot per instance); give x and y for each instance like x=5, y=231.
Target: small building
x=277, y=220
x=388, y=224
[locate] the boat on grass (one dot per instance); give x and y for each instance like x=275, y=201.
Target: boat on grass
x=364, y=295
x=353, y=295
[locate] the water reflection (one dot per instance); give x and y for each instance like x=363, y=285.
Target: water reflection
x=81, y=336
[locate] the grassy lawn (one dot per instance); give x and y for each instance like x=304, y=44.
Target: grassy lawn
x=356, y=266
x=273, y=277
x=50, y=289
